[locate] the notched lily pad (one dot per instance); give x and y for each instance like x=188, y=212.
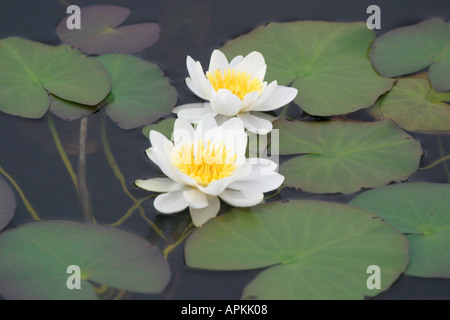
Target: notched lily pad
x=326, y=61
x=140, y=93
x=105, y=255
x=422, y=212
x=414, y=106
x=345, y=156
x=99, y=35
x=410, y=49
x=312, y=249
x=7, y=204
x=30, y=70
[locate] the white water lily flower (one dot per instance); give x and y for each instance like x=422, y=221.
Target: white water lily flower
x=234, y=89
x=205, y=165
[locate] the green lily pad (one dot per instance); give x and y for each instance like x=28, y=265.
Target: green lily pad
x=326, y=61
x=414, y=106
x=164, y=126
x=29, y=70
x=35, y=257
x=422, y=212
x=99, y=35
x=7, y=204
x=345, y=156
x=140, y=94
x=70, y=111
x=313, y=249
x=409, y=49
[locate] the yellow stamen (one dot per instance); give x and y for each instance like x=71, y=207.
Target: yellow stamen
x=239, y=83
x=206, y=163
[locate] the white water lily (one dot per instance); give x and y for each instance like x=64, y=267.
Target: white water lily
x=234, y=89
x=205, y=165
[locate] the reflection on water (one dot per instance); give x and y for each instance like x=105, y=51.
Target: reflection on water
x=115, y=158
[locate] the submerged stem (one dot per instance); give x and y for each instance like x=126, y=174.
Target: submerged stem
x=28, y=205
x=118, y=173
x=62, y=151
x=82, y=184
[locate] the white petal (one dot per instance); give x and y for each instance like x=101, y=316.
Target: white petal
x=256, y=64
x=235, y=61
x=198, y=77
x=218, y=61
x=249, y=99
x=246, y=198
x=225, y=102
x=255, y=124
x=159, y=185
x=201, y=216
x=263, y=115
x=262, y=183
x=195, y=198
x=280, y=97
x=263, y=97
x=183, y=132
x=189, y=106
x=216, y=187
x=194, y=89
x=170, y=202
x=195, y=114
x=221, y=119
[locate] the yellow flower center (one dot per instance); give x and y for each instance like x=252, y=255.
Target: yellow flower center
x=205, y=164
x=239, y=83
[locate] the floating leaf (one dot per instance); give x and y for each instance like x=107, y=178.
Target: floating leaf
x=421, y=211
x=345, y=156
x=415, y=106
x=409, y=49
x=28, y=70
x=68, y=110
x=164, y=126
x=7, y=204
x=140, y=93
x=99, y=35
x=34, y=260
x=326, y=61
x=314, y=250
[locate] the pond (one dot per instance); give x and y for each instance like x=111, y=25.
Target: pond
x=134, y=252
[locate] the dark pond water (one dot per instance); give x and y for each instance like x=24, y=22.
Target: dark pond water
x=189, y=27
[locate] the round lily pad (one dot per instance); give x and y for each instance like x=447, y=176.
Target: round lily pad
x=98, y=33
x=140, y=93
x=7, y=204
x=35, y=258
x=326, y=61
x=414, y=106
x=422, y=212
x=409, y=49
x=345, y=156
x=311, y=249
x=29, y=70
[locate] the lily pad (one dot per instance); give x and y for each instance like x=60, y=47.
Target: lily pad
x=313, y=249
x=7, y=204
x=140, y=94
x=326, y=61
x=345, y=156
x=29, y=70
x=414, y=106
x=68, y=110
x=35, y=257
x=409, y=49
x=164, y=126
x=422, y=212
x=99, y=35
